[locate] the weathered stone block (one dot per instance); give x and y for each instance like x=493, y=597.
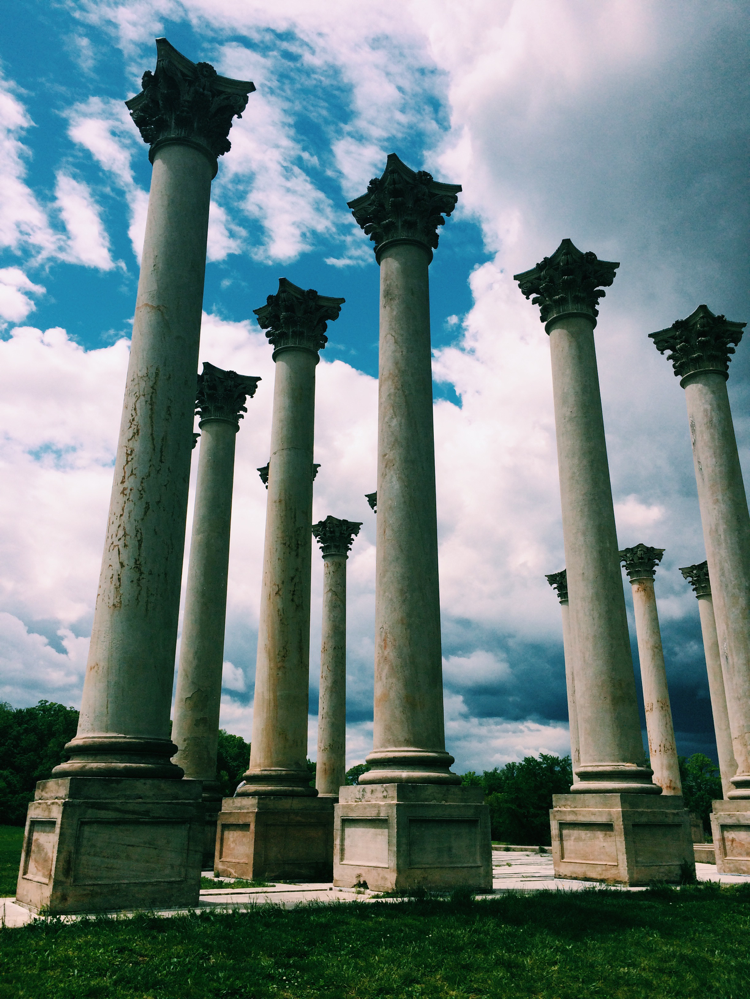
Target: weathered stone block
x=273, y=837
x=404, y=836
x=95, y=844
x=628, y=839
x=730, y=824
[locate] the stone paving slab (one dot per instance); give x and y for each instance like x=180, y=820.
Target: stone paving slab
x=512, y=871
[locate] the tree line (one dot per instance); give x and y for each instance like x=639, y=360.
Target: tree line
x=519, y=794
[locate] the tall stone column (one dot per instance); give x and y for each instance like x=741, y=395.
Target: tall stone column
x=559, y=583
x=700, y=348
x=220, y=404
x=335, y=538
x=595, y=829
x=697, y=576
x=640, y=564
x=408, y=765
x=285, y=831
x=184, y=114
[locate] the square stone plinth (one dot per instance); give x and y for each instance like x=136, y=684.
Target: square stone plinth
x=97, y=844
x=730, y=824
x=629, y=839
x=274, y=838
x=404, y=836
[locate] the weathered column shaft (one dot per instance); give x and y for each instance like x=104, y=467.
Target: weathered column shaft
x=331, y=763
x=124, y=721
x=559, y=582
x=700, y=349
x=607, y=708
x=220, y=402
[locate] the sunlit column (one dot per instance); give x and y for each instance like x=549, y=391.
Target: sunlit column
x=640, y=564
x=220, y=404
x=697, y=576
x=335, y=538
x=559, y=583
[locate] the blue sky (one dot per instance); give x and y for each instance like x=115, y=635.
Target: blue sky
x=618, y=123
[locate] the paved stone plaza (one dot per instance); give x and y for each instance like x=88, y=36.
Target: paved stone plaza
x=516, y=869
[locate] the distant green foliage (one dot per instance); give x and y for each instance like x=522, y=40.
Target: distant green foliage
x=312, y=768
x=701, y=784
x=11, y=841
x=520, y=797
x=354, y=773
x=232, y=761
x=31, y=744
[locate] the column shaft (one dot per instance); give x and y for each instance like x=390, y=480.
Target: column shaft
x=198, y=697
x=570, y=684
x=726, y=532
x=727, y=762
x=134, y=633
x=331, y=765
x=608, y=723
x=661, y=741
x=279, y=742
x=409, y=738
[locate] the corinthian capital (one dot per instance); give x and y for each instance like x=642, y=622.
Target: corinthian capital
x=187, y=102
x=404, y=205
x=567, y=283
x=697, y=576
x=335, y=536
x=702, y=342
x=559, y=582
x=640, y=561
x=221, y=394
x=294, y=317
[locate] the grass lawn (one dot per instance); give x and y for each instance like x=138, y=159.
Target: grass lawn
x=11, y=841
x=687, y=943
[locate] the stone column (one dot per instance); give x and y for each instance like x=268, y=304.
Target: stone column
x=335, y=538
x=640, y=564
x=287, y=830
x=697, y=576
x=184, y=114
x=613, y=784
x=401, y=212
x=559, y=583
x=220, y=404
x=700, y=348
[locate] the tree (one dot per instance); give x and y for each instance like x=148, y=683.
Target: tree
x=354, y=773
x=701, y=784
x=231, y=762
x=520, y=796
x=31, y=745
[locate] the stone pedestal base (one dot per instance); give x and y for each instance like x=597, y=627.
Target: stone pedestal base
x=629, y=839
x=730, y=825
x=96, y=844
x=405, y=836
x=273, y=838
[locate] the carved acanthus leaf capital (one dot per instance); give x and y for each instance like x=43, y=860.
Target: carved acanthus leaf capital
x=372, y=500
x=702, y=342
x=263, y=473
x=335, y=536
x=188, y=102
x=641, y=561
x=294, y=317
x=567, y=283
x=559, y=582
x=403, y=204
x=221, y=394
x=697, y=576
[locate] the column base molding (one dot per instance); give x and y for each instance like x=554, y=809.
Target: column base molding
x=730, y=825
x=275, y=781
x=272, y=838
x=404, y=765
x=403, y=836
x=106, y=844
x=629, y=839
x=120, y=756
x=614, y=778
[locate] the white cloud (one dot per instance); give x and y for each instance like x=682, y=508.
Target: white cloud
x=479, y=670
x=30, y=669
x=88, y=243
x=232, y=677
x=15, y=303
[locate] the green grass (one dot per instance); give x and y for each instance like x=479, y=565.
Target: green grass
x=688, y=943
x=11, y=841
